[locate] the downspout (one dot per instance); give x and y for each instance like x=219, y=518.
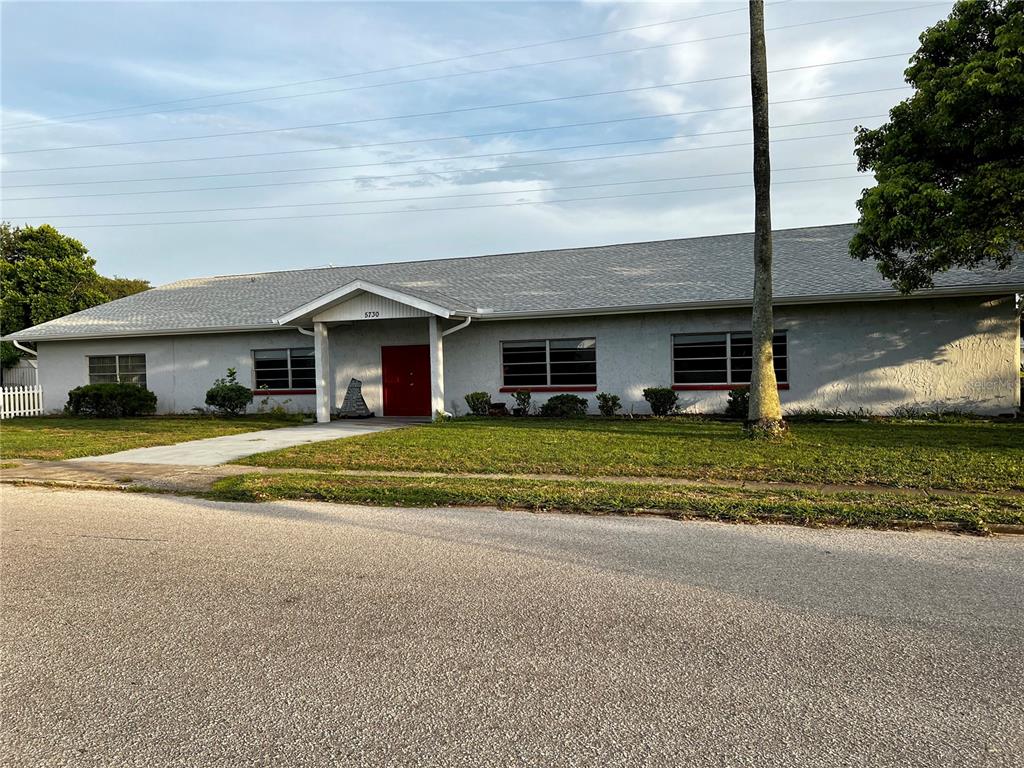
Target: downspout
x=303, y=330
x=458, y=327
x=23, y=348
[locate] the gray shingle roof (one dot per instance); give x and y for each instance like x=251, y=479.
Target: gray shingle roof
x=810, y=263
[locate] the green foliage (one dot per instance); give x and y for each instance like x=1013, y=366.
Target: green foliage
x=479, y=403
x=228, y=396
x=608, y=404
x=950, y=162
x=9, y=355
x=118, y=287
x=110, y=401
x=524, y=402
x=564, y=407
x=45, y=275
x=739, y=403
x=661, y=399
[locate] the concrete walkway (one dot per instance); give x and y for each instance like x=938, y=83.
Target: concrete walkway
x=218, y=450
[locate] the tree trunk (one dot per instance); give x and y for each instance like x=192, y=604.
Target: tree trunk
x=765, y=414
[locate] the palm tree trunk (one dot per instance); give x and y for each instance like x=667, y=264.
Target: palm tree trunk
x=765, y=414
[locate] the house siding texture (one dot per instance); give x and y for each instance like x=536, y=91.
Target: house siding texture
x=179, y=369
x=928, y=353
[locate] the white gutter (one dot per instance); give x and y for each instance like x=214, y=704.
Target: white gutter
x=458, y=327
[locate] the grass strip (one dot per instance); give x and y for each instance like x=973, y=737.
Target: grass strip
x=964, y=456
x=873, y=510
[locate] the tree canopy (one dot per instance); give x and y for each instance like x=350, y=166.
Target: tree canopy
x=949, y=163
x=45, y=275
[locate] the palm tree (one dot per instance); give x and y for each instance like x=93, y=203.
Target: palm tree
x=764, y=418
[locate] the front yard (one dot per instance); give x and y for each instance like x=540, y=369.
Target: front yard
x=969, y=473
x=965, y=456
x=53, y=438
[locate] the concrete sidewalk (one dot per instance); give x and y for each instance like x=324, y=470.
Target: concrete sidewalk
x=218, y=450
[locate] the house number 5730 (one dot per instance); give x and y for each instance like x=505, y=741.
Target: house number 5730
x=368, y=315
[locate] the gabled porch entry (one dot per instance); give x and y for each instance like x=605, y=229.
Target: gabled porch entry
x=411, y=375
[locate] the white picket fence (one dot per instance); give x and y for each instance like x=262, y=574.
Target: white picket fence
x=21, y=401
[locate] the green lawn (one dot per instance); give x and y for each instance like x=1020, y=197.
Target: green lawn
x=56, y=437
x=966, y=456
x=876, y=510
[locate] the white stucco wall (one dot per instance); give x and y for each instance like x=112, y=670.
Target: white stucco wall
x=179, y=369
x=929, y=353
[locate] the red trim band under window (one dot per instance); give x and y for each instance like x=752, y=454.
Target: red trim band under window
x=695, y=387
x=258, y=392
x=548, y=389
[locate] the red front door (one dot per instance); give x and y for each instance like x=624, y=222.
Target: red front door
x=405, y=372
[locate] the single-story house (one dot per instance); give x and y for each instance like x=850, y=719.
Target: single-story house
x=421, y=335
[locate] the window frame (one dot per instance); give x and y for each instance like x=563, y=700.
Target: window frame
x=291, y=389
x=117, y=368
x=548, y=387
x=729, y=383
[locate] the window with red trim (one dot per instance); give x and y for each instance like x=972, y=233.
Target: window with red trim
x=722, y=358
x=549, y=363
x=284, y=368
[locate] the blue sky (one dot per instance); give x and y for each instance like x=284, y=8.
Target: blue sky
x=64, y=59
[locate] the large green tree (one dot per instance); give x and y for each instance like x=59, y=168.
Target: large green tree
x=44, y=275
x=949, y=163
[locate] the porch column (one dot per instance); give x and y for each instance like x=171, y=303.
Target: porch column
x=324, y=374
x=436, y=367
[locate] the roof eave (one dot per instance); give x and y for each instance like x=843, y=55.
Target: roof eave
x=19, y=335
x=844, y=298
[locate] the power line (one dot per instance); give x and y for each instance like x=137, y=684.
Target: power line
x=448, y=138
x=455, y=208
x=423, y=173
x=435, y=159
x=425, y=197
x=508, y=67
x=395, y=68
x=458, y=110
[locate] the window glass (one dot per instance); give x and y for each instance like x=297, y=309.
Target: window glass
x=284, y=368
x=721, y=358
x=573, y=362
x=110, y=369
x=700, y=358
x=132, y=369
x=103, y=370
x=555, y=362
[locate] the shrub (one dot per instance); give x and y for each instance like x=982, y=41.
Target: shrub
x=608, y=404
x=739, y=403
x=109, y=401
x=228, y=396
x=523, y=402
x=661, y=399
x=564, y=407
x=479, y=403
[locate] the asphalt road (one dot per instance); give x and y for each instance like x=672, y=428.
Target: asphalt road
x=161, y=631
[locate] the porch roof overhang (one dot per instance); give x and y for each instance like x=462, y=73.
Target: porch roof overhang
x=429, y=303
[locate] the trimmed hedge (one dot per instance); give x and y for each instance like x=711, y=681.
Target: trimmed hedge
x=564, y=407
x=662, y=400
x=110, y=401
x=479, y=403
